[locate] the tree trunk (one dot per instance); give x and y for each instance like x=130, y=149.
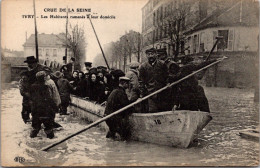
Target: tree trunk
x=130, y=58
x=177, y=45
x=138, y=48
x=120, y=64
x=125, y=59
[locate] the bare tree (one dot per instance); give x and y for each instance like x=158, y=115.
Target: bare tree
x=133, y=44
x=75, y=41
x=119, y=52
x=173, y=25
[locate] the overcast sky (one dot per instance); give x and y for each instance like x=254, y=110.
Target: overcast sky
x=128, y=16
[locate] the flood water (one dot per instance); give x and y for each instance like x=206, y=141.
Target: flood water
x=218, y=145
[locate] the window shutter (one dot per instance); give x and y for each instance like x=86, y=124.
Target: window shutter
x=230, y=40
x=215, y=34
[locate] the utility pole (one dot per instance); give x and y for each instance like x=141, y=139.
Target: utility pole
x=66, y=50
x=36, y=34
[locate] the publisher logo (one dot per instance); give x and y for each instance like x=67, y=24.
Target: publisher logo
x=19, y=159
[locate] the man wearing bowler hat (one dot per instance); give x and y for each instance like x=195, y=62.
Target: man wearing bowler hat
x=30, y=75
x=34, y=67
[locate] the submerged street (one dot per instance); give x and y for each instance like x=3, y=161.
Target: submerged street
x=218, y=145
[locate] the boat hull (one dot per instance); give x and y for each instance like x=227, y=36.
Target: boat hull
x=172, y=128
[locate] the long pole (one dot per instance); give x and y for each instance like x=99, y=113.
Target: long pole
x=214, y=46
x=99, y=44
x=66, y=57
x=36, y=34
x=130, y=105
x=211, y=51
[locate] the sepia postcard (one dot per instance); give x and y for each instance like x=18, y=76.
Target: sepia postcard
x=129, y=83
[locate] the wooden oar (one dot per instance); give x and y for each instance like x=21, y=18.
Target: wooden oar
x=130, y=105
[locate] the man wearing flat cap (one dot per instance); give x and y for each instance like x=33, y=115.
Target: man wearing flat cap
x=132, y=74
x=102, y=69
x=116, y=74
x=118, y=124
x=162, y=53
x=65, y=88
x=154, y=75
x=43, y=106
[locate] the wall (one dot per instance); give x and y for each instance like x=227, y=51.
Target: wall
x=240, y=70
x=15, y=72
x=5, y=73
x=244, y=39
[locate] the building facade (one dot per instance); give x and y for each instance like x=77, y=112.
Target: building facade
x=163, y=20
x=237, y=21
x=51, y=47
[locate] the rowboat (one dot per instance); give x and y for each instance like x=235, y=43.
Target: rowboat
x=171, y=128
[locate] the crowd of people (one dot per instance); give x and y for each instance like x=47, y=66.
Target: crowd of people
x=46, y=93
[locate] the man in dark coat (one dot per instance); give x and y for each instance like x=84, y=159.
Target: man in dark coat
x=191, y=95
x=43, y=107
x=27, y=79
x=118, y=124
x=81, y=88
x=154, y=76
x=115, y=75
x=70, y=65
x=35, y=67
x=64, y=69
x=68, y=68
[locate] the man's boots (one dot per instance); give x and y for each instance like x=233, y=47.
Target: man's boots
x=34, y=133
x=110, y=135
x=50, y=135
x=25, y=115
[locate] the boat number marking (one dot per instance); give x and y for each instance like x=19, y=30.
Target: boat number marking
x=157, y=121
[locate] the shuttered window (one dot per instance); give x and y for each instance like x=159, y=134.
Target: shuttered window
x=230, y=40
x=215, y=34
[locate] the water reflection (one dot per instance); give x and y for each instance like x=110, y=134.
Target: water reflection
x=218, y=144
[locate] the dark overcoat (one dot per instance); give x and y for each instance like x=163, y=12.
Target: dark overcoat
x=118, y=123
x=43, y=105
x=38, y=68
x=154, y=77
x=117, y=100
x=65, y=88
